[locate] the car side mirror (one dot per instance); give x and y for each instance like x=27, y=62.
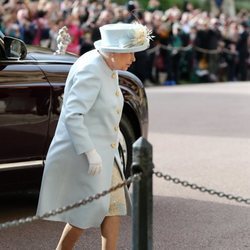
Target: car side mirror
x=14, y=48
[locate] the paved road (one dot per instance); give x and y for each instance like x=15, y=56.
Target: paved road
x=199, y=133
x=202, y=135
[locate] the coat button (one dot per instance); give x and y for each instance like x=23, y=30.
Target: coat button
x=113, y=75
x=116, y=128
x=118, y=111
x=117, y=93
x=113, y=145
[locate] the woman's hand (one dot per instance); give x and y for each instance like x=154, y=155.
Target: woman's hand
x=95, y=162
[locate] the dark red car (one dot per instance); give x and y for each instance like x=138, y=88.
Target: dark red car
x=32, y=81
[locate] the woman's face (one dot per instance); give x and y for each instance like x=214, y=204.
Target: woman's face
x=122, y=61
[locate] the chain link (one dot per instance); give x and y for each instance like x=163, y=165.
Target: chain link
x=134, y=178
x=8, y=224
x=201, y=188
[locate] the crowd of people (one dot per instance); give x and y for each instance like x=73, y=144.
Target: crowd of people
x=189, y=44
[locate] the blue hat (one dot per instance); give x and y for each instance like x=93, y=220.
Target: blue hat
x=123, y=38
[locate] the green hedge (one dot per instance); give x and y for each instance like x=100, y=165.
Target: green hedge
x=165, y=4
x=242, y=4
x=203, y=4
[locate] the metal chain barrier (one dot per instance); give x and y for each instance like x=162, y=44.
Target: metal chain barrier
x=8, y=224
x=201, y=188
x=134, y=178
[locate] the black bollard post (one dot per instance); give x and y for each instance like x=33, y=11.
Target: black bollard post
x=142, y=198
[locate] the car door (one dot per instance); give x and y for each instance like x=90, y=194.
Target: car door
x=24, y=113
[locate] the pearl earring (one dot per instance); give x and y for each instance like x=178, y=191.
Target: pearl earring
x=112, y=58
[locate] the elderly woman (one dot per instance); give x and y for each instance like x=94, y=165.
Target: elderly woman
x=83, y=157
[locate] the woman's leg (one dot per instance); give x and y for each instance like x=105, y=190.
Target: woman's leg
x=69, y=237
x=110, y=232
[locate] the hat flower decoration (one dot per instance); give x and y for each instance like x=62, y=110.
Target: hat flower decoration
x=140, y=35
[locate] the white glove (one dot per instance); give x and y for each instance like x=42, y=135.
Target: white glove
x=95, y=162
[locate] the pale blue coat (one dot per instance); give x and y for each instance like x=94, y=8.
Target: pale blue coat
x=89, y=119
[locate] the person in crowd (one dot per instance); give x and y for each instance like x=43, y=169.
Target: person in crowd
x=9, y=26
x=204, y=32
x=83, y=157
x=176, y=42
x=153, y=5
x=131, y=11
x=214, y=39
x=139, y=67
x=105, y=17
x=73, y=23
x=26, y=26
x=243, y=50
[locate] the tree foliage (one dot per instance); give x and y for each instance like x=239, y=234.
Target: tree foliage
x=203, y=4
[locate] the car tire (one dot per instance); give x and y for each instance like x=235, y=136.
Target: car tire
x=126, y=145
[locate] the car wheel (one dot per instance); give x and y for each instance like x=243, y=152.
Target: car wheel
x=127, y=138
